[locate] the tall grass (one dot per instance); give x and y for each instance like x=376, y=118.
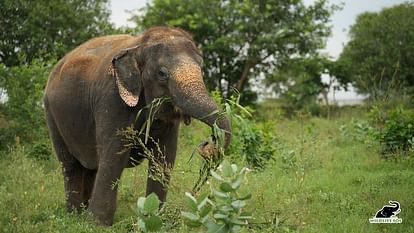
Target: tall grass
x=344, y=183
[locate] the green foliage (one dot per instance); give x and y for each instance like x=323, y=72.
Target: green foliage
x=301, y=159
x=392, y=128
x=140, y=139
x=350, y=182
x=23, y=108
x=41, y=28
x=358, y=130
x=221, y=211
x=40, y=150
x=379, y=51
x=253, y=142
x=397, y=132
x=242, y=39
x=148, y=213
x=300, y=82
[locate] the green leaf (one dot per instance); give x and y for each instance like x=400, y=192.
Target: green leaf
x=220, y=216
x=243, y=171
x=246, y=197
x=226, y=168
x=235, y=229
x=216, y=228
x=205, y=210
x=216, y=176
x=193, y=224
x=225, y=209
x=202, y=203
x=220, y=194
x=191, y=202
x=141, y=225
x=238, y=222
x=152, y=203
x=234, y=168
x=153, y=224
x=245, y=216
x=140, y=204
x=190, y=216
x=226, y=187
x=238, y=204
x=236, y=184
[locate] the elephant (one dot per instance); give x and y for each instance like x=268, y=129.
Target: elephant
x=389, y=210
x=100, y=87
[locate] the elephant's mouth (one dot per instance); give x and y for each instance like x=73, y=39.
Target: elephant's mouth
x=170, y=113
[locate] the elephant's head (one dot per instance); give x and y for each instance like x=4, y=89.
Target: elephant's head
x=166, y=63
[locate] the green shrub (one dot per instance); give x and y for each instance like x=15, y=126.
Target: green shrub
x=221, y=210
x=397, y=131
x=22, y=109
x=148, y=213
x=252, y=142
x=40, y=150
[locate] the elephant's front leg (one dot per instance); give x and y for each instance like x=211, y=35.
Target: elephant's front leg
x=102, y=204
x=162, y=161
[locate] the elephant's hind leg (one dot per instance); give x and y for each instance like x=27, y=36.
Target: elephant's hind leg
x=88, y=183
x=73, y=181
x=73, y=171
x=79, y=182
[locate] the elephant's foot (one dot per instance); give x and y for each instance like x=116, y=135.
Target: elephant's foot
x=102, y=210
x=103, y=217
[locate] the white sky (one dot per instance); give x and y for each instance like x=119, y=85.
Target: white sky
x=341, y=21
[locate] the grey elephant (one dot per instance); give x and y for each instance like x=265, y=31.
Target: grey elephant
x=99, y=88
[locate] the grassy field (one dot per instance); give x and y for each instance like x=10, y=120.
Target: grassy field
x=322, y=179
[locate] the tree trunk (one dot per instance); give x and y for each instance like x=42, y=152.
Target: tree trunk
x=244, y=76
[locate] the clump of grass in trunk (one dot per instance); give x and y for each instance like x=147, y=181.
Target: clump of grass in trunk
x=210, y=163
x=250, y=142
x=161, y=170
x=139, y=139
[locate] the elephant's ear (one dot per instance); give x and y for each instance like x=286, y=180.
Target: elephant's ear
x=125, y=69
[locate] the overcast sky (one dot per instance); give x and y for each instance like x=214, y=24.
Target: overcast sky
x=341, y=21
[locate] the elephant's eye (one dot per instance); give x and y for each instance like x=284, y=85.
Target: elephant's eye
x=163, y=74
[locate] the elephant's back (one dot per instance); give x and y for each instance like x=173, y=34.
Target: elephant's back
x=75, y=78
x=89, y=60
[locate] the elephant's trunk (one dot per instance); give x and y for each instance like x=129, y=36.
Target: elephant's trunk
x=189, y=93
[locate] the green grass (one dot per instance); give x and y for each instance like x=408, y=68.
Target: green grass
x=332, y=183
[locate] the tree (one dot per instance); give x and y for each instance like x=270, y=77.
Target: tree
x=23, y=112
x=33, y=29
x=242, y=39
x=299, y=83
x=380, y=53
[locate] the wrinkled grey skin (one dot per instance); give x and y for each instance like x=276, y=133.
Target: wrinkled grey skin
x=85, y=106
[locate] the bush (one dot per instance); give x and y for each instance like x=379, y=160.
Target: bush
x=222, y=210
x=252, y=142
x=149, y=219
x=40, y=150
x=397, y=131
x=22, y=108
